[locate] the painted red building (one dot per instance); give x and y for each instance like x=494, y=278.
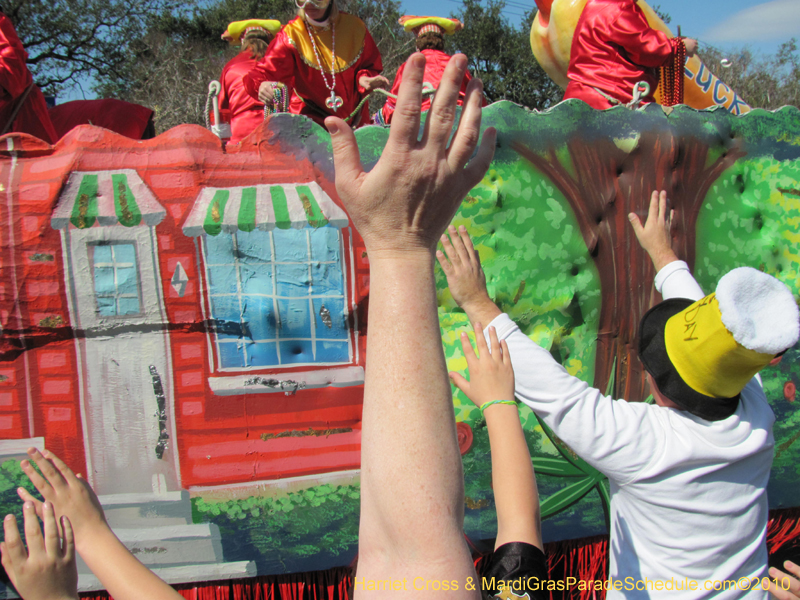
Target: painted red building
x=176, y=316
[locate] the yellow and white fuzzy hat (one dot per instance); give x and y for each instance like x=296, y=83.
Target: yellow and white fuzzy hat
x=440, y=25
x=238, y=30
x=702, y=354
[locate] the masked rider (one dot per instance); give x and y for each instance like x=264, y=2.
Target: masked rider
x=327, y=57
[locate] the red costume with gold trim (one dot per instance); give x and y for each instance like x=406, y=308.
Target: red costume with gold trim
x=15, y=79
x=434, y=69
x=613, y=49
x=291, y=59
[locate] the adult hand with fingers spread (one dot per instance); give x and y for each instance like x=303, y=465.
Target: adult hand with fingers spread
x=71, y=495
x=784, y=586
x=490, y=374
x=405, y=202
x=656, y=234
x=47, y=571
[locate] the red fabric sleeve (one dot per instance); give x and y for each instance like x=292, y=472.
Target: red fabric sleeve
x=278, y=64
x=14, y=74
x=644, y=45
x=370, y=63
x=391, y=103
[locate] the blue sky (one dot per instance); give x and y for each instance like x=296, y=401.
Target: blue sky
x=725, y=24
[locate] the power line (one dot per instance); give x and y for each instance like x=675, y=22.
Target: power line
x=505, y=10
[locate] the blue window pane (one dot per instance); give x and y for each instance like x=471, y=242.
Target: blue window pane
x=104, y=280
x=325, y=244
x=293, y=280
x=260, y=315
x=326, y=278
x=106, y=307
x=294, y=319
x=256, y=279
x=263, y=354
x=332, y=352
x=126, y=282
x=124, y=253
x=102, y=254
x=291, y=245
x=225, y=308
x=334, y=313
x=254, y=247
x=249, y=273
x=231, y=354
x=222, y=280
x=219, y=249
x=128, y=306
x=296, y=351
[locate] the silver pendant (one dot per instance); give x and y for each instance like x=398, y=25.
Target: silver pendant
x=334, y=102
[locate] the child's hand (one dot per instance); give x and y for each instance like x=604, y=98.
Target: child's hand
x=785, y=581
x=490, y=374
x=47, y=571
x=462, y=266
x=656, y=235
x=70, y=495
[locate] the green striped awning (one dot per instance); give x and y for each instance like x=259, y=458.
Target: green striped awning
x=106, y=198
x=264, y=207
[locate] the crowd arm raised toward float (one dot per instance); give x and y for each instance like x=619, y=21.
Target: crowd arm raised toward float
x=412, y=489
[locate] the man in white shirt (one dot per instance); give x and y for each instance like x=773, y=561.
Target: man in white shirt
x=688, y=475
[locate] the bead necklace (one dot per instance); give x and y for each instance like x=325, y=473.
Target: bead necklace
x=334, y=102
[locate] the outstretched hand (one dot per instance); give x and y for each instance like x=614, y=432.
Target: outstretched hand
x=465, y=277
x=70, y=495
x=47, y=571
x=490, y=374
x=655, y=237
x=405, y=202
x=785, y=587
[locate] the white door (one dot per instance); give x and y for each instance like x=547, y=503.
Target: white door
x=125, y=372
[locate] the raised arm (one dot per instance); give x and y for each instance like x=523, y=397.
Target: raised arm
x=673, y=278
x=491, y=388
x=412, y=496
x=118, y=570
x=607, y=434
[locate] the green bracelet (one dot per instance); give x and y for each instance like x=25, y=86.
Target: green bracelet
x=488, y=404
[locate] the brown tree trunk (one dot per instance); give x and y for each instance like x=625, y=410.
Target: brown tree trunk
x=608, y=183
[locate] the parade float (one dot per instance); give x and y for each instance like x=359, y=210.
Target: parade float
x=186, y=323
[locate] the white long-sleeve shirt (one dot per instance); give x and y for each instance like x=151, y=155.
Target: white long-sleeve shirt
x=688, y=496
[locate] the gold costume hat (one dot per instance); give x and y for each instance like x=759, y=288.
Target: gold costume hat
x=420, y=25
x=239, y=29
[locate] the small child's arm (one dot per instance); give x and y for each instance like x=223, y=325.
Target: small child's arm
x=513, y=480
x=118, y=570
x=47, y=571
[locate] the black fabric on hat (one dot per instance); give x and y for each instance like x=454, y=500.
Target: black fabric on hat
x=653, y=354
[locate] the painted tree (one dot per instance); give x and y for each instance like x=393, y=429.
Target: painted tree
x=604, y=178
